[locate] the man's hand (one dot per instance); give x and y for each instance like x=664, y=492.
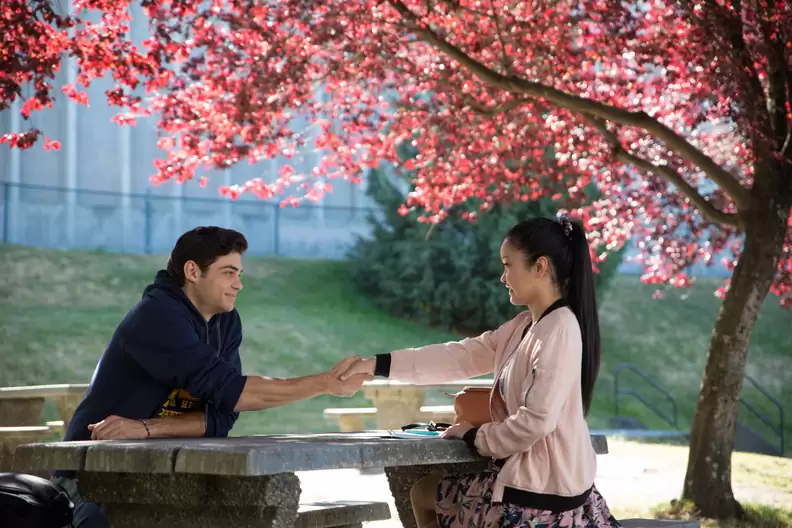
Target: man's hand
x=345, y=379
x=360, y=366
x=118, y=428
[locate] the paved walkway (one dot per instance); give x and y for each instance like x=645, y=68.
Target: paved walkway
x=626, y=477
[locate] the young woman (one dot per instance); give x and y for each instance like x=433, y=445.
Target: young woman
x=546, y=362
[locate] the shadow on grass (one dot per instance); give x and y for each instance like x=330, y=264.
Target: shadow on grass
x=757, y=516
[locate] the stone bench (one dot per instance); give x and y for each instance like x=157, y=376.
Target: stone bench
x=438, y=413
x=57, y=426
x=340, y=514
x=351, y=419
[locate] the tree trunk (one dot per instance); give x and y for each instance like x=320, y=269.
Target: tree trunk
x=708, y=478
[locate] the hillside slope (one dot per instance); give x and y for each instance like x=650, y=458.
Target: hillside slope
x=59, y=310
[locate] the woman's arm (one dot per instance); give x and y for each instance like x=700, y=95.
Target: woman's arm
x=433, y=363
x=438, y=363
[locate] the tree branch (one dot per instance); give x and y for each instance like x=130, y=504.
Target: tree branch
x=777, y=84
x=497, y=109
x=708, y=210
x=730, y=185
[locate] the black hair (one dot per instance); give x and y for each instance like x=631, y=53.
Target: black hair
x=563, y=242
x=203, y=245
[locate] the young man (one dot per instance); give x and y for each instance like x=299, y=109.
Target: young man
x=172, y=367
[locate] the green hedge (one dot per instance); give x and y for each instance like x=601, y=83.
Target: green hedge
x=450, y=278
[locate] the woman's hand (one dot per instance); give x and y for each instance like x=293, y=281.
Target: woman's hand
x=347, y=377
x=457, y=430
x=357, y=366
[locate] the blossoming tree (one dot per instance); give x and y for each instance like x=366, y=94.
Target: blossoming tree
x=678, y=109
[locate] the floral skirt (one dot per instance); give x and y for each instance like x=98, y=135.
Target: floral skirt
x=465, y=501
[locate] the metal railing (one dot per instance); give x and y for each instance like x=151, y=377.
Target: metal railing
x=618, y=390
x=777, y=429
x=673, y=420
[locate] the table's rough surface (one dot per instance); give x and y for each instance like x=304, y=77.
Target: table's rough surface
x=248, y=456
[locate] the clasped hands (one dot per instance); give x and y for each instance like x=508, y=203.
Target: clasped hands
x=353, y=371
x=344, y=379
x=349, y=374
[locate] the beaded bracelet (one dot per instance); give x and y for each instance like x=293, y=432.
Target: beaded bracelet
x=148, y=431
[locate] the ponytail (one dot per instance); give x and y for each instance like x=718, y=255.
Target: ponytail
x=581, y=297
x=564, y=243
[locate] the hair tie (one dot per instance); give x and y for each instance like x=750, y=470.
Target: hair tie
x=566, y=225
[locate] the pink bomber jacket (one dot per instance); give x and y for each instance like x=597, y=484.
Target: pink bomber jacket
x=540, y=436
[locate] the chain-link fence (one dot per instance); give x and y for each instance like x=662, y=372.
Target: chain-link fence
x=65, y=218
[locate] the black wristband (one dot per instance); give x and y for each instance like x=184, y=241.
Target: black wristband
x=470, y=438
x=383, y=365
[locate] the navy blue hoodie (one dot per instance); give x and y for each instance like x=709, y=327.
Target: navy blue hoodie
x=165, y=358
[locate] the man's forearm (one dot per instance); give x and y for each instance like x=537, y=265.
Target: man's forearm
x=265, y=393
x=187, y=425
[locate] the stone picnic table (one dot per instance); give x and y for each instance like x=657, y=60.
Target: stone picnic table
x=20, y=415
x=243, y=482
x=398, y=403
x=22, y=406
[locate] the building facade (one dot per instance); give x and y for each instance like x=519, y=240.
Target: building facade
x=94, y=193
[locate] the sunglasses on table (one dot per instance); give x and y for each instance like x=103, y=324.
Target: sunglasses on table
x=434, y=427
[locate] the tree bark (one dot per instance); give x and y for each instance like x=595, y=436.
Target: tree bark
x=708, y=478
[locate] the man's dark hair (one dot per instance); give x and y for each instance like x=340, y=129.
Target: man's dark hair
x=204, y=245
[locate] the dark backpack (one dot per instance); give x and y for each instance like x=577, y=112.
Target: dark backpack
x=33, y=502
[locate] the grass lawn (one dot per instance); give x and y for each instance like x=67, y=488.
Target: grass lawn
x=668, y=339
x=756, y=516
x=60, y=308
x=642, y=480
